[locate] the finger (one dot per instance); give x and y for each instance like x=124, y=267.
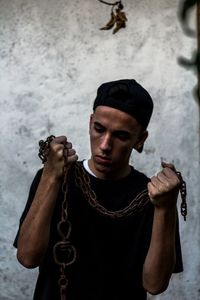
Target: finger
x=155, y=191
x=170, y=174
x=162, y=177
x=168, y=165
x=59, y=153
x=156, y=182
x=72, y=159
x=69, y=152
x=168, y=178
x=169, y=170
x=57, y=147
x=68, y=145
x=152, y=190
x=160, y=183
x=58, y=143
x=60, y=140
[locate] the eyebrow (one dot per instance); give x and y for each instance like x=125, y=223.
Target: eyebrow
x=99, y=124
x=120, y=131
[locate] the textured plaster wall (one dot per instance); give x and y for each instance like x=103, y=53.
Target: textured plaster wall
x=52, y=58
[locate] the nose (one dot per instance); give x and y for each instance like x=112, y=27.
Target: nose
x=106, y=143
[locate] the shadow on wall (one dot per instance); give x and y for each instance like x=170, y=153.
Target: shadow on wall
x=194, y=63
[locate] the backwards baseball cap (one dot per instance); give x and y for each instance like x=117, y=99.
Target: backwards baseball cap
x=128, y=96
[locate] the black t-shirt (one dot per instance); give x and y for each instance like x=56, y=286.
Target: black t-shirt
x=110, y=252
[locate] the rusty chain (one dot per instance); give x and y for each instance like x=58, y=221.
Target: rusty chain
x=83, y=181
x=64, y=252
x=44, y=148
x=183, y=192
x=135, y=206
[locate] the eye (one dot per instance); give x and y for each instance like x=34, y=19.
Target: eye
x=123, y=136
x=99, y=128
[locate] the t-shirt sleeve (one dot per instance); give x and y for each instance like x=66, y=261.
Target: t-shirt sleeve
x=179, y=262
x=31, y=195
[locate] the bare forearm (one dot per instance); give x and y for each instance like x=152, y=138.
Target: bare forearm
x=34, y=233
x=35, y=230
x=160, y=258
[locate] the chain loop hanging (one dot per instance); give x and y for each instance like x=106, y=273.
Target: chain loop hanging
x=64, y=252
x=135, y=206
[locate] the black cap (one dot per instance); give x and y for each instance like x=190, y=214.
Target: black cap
x=128, y=96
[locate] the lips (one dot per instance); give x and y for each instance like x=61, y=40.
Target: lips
x=102, y=160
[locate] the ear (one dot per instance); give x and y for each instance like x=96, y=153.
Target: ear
x=141, y=139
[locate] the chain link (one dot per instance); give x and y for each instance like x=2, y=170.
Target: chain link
x=44, y=148
x=183, y=192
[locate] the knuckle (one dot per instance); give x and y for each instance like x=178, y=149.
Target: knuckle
x=60, y=153
x=69, y=145
x=167, y=186
x=62, y=138
x=175, y=183
x=57, y=147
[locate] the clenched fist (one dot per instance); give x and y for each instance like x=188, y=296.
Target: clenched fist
x=59, y=157
x=164, y=187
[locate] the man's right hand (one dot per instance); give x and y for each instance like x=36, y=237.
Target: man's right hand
x=59, y=158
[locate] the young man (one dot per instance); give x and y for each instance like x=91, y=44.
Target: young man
x=99, y=229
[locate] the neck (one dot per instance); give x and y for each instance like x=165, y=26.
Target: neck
x=103, y=173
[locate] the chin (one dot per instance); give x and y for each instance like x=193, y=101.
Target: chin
x=103, y=171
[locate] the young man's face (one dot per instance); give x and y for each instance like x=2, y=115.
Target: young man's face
x=113, y=135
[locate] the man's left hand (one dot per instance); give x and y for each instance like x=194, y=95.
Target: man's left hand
x=164, y=187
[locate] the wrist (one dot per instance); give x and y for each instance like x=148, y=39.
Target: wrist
x=51, y=177
x=165, y=212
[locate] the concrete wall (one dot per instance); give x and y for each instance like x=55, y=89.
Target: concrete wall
x=52, y=58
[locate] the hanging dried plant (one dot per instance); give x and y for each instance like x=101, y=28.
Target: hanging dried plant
x=117, y=18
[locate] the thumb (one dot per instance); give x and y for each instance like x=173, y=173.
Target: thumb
x=168, y=165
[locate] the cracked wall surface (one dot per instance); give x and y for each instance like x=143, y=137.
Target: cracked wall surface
x=52, y=59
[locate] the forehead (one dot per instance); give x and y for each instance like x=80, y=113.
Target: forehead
x=115, y=119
